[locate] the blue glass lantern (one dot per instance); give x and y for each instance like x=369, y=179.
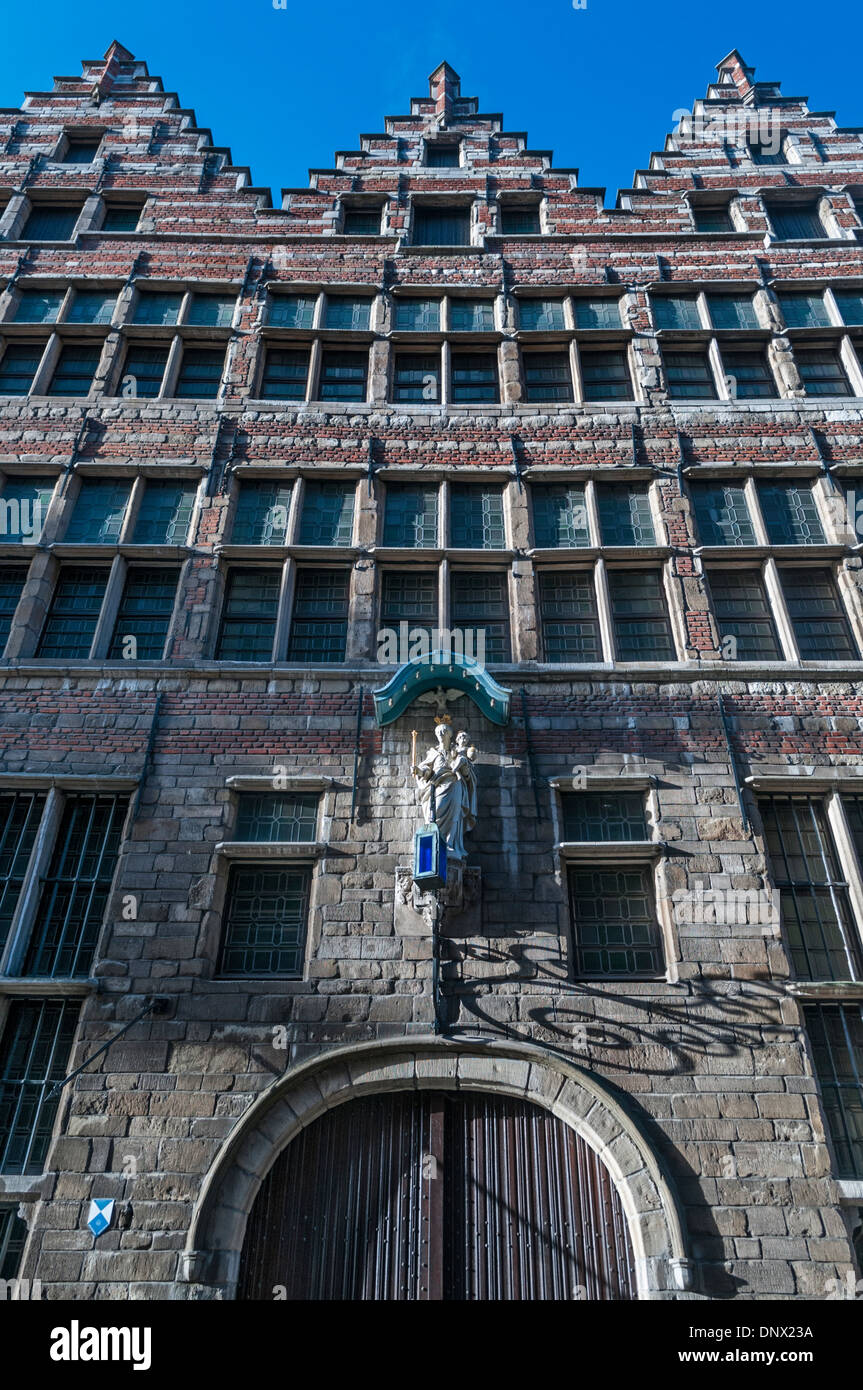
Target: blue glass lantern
x=429, y=857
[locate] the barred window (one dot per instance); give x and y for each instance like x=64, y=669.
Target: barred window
x=265, y=920
x=603, y=312
x=285, y=374
x=75, y=888
x=547, y=376
x=814, y=904
x=361, y=222
x=541, y=315
x=688, y=375
x=479, y=603
x=605, y=375
x=212, y=310
x=262, y=513
x=20, y=817
x=292, y=310
x=410, y=596
x=519, y=221
x=249, y=615
x=99, y=512
x=155, y=307
x=722, y=515
x=144, y=615
x=748, y=372
x=836, y=1039
x=71, y=622
x=276, y=817
x=743, y=616
x=614, y=922
x=790, y=514
x=91, y=306
x=471, y=315
x=678, y=311
x=51, y=224
x=417, y=315
x=441, y=226
x=604, y=816
x=348, y=311
x=38, y=306
x=343, y=376
x=24, y=505
x=624, y=515
x=13, y=1235
x=18, y=368
x=817, y=616
x=200, y=374
x=732, y=311
x=165, y=513
x=411, y=516
x=328, y=513
x=804, y=310
x=821, y=371
x=474, y=377
x=75, y=369
x=796, y=222
x=12, y=581
x=416, y=377
x=569, y=617
x=642, y=630
x=319, y=627
x=559, y=516
x=143, y=371
x=476, y=517
x=34, y=1054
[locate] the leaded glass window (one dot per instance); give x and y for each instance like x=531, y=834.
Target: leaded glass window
x=24, y=505
x=200, y=373
x=743, y=616
x=479, y=604
x=417, y=315
x=143, y=371
x=614, y=923
x=285, y=374
x=605, y=375
x=328, y=513
x=790, y=514
x=817, y=616
x=821, y=371
x=343, y=376
x=75, y=369
x=732, y=311
x=411, y=517
x=34, y=1054
x=319, y=626
x=850, y=305
x=624, y=515
x=13, y=1235
x=262, y=513
x=18, y=368
x=50, y=224
x=722, y=514
x=38, y=306
x=71, y=622
x=688, y=375
x=836, y=1039
x=292, y=310
x=547, y=376
x=476, y=517
x=165, y=513
x=265, y=920
x=471, y=315
x=249, y=615
x=604, y=816
x=144, y=615
x=347, y=311
x=541, y=315
x=12, y=581
x=568, y=615
x=99, y=512
x=20, y=816
x=641, y=627
x=804, y=310
x=276, y=816
x=676, y=311
x=410, y=596
x=155, y=307
x=748, y=373
x=474, y=377
x=91, y=306
x=559, y=516
x=212, y=310
x=416, y=377
x=602, y=312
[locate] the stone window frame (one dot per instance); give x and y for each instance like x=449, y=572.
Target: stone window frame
x=709, y=340
x=364, y=202
x=318, y=337
x=811, y=196
x=311, y=854
x=836, y=334
x=428, y=200
x=10, y=299
x=571, y=337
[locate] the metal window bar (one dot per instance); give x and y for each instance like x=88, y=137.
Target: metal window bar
x=836, y=1039
x=34, y=1052
x=20, y=817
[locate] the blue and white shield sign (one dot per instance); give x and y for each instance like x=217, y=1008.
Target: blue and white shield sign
x=99, y=1214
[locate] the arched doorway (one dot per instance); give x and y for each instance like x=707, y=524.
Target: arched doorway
x=437, y=1195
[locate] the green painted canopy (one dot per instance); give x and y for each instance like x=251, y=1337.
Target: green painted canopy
x=442, y=671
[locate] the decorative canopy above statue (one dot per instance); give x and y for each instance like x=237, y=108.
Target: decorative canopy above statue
x=437, y=678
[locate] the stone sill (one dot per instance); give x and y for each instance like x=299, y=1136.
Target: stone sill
x=36, y=986
x=826, y=991
x=610, y=851
x=851, y=1191
x=604, y=781
x=805, y=776
x=37, y=781
x=299, y=782
x=271, y=849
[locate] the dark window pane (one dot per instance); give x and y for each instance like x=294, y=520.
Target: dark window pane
x=417, y=315
x=23, y=507
x=605, y=376
x=474, y=377
x=343, y=376
x=416, y=377
x=38, y=306
x=275, y=816
x=480, y=605
x=442, y=156
x=99, y=512
x=50, y=224
x=91, y=306
x=362, y=222
x=285, y=373
x=328, y=513
x=346, y=311
x=624, y=515
x=411, y=516
x=732, y=311
x=641, y=627
x=688, y=375
x=796, y=223
x=821, y=371
x=604, y=816
x=143, y=371
x=559, y=516
x=121, y=218
x=476, y=517
x=772, y=152
x=410, y=596
x=249, y=616
x=165, y=513
x=200, y=373
x=152, y=306
x=212, y=310
x=519, y=221
x=547, y=376
x=570, y=624
x=144, y=615
x=743, y=616
x=292, y=310
x=75, y=889
x=12, y=581
x=18, y=368
x=836, y=1039
x=614, y=924
x=790, y=514
x=20, y=815
x=541, y=315
x=817, y=616
x=74, y=372
x=850, y=306
x=435, y=226
x=722, y=514
x=676, y=311
x=319, y=626
x=13, y=1235
x=715, y=219
x=748, y=375
x=71, y=623
x=265, y=920
x=597, y=313
x=262, y=511
x=471, y=315
x=34, y=1053
x=82, y=151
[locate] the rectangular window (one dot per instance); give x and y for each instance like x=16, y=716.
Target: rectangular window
x=285, y=374
x=212, y=310
x=319, y=627
x=597, y=313
x=559, y=516
x=732, y=311
x=411, y=516
x=154, y=307
x=34, y=1054
x=265, y=920
x=273, y=817
x=99, y=511
x=417, y=315
x=24, y=505
x=474, y=377
x=689, y=376
x=476, y=517
x=721, y=514
x=605, y=375
x=75, y=369
x=13, y=1235
x=678, y=311
x=712, y=219
x=249, y=615
x=440, y=155
x=814, y=905
x=343, y=376
x=262, y=513
x=817, y=616
x=416, y=377
x=836, y=1039
x=479, y=603
x=471, y=315
x=614, y=923
x=798, y=222
x=91, y=306
x=410, y=596
x=361, y=222
x=767, y=153
x=38, y=306
x=143, y=371
x=641, y=627
x=541, y=315
x=292, y=310
x=850, y=306
x=519, y=221
x=747, y=372
x=165, y=513
x=144, y=616
x=347, y=311
x=75, y=889
x=790, y=514
x=51, y=224
x=743, y=616
x=81, y=149
x=569, y=618
x=441, y=226
x=18, y=368
x=328, y=513
x=821, y=371
x=200, y=374
x=547, y=376
x=804, y=310
x=121, y=217
x=602, y=816
x=71, y=623
x=20, y=817
x=12, y=581
x=624, y=515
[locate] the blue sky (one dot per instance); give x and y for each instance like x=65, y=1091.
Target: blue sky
x=284, y=88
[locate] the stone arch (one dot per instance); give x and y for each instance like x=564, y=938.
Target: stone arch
x=578, y=1097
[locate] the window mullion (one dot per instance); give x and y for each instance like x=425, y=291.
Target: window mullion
x=781, y=617
x=603, y=608
x=284, y=610
x=110, y=607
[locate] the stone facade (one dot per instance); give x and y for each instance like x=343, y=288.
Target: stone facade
x=696, y=1082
